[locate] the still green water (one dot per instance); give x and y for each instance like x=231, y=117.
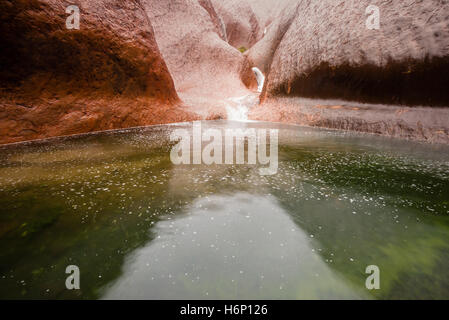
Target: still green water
x=138, y=226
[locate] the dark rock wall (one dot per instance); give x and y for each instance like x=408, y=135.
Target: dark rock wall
x=52, y=77
x=114, y=52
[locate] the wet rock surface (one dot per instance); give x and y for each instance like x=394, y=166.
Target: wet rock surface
x=412, y=123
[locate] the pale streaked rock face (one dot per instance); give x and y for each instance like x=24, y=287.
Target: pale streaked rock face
x=201, y=62
x=323, y=49
x=332, y=36
x=246, y=20
x=242, y=25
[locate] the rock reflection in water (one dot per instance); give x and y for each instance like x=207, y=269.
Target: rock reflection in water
x=241, y=246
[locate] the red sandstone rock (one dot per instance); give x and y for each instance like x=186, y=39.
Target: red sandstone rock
x=412, y=123
x=111, y=74
x=220, y=27
x=262, y=53
x=246, y=20
x=54, y=81
x=328, y=52
x=268, y=10
x=322, y=49
x=242, y=25
x=202, y=64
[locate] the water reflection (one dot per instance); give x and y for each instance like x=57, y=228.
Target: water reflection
x=140, y=227
x=243, y=246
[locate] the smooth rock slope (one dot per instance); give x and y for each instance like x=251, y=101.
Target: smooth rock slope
x=243, y=29
x=199, y=59
x=247, y=21
x=206, y=69
x=372, y=80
